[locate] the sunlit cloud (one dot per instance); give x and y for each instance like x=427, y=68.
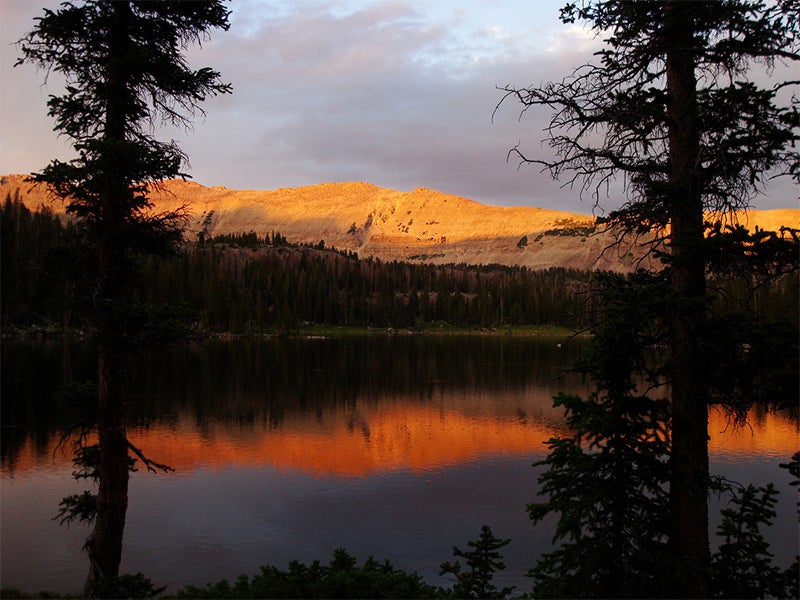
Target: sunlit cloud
x=574, y=39
x=401, y=94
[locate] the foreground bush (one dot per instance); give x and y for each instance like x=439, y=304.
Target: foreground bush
x=342, y=578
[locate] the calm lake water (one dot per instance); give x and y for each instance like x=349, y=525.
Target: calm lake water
x=397, y=447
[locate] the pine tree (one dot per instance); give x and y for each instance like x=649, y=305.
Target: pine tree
x=607, y=479
x=742, y=566
x=482, y=562
x=673, y=105
x=124, y=70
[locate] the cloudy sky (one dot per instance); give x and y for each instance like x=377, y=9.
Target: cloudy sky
x=396, y=93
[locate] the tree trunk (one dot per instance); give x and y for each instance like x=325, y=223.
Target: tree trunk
x=104, y=544
x=689, y=458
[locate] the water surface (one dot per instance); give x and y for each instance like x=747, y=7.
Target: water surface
x=397, y=447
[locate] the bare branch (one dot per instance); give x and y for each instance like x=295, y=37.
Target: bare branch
x=150, y=464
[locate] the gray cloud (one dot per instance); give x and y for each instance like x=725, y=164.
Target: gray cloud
x=367, y=96
x=382, y=93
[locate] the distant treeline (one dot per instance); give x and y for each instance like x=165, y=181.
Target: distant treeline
x=245, y=283
x=278, y=288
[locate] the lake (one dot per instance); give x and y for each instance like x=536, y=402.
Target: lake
x=395, y=446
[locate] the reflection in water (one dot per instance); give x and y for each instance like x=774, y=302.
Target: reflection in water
x=350, y=406
x=766, y=435
x=395, y=446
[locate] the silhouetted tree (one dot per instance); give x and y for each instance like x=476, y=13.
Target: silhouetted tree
x=742, y=566
x=482, y=561
x=672, y=106
x=607, y=480
x=124, y=72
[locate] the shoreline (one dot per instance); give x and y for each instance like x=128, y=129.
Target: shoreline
x=312, y=331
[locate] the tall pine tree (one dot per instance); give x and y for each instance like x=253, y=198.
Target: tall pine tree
x=125, y=71
x=677, y=104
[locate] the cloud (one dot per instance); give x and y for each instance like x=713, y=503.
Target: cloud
x=27, y=141
x=368, y=95
x=397, y=93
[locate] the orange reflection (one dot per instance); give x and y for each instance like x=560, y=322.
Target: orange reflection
x=766, y=433
x=348, y=442
x=356, y=442
x=417, y=438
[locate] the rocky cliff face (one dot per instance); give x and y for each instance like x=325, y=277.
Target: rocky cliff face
x=423, y=225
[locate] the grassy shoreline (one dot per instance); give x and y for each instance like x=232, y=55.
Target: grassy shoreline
x=306, y=331
x=310, y=331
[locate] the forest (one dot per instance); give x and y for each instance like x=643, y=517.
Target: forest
x=245, y=283
x=248, y=284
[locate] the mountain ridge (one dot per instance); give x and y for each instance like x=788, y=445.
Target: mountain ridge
x=420, y=226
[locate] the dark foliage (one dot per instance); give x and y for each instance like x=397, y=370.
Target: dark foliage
x=742, y=566
x=128, y=585
x=607, y=481
x=279, y=287
x=246, y=284
x=793, y=467
x=482, y=561
x=673, y=105
x=341, y=578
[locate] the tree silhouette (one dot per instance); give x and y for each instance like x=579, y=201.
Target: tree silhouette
x=607, y=479
x=673, y=105
x=742, y=567
x=124, y=73
x=482, y=561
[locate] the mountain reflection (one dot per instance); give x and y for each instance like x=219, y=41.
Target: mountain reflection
x=345, y=406
x=348, y=407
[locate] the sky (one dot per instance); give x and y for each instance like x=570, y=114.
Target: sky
x=397, y=93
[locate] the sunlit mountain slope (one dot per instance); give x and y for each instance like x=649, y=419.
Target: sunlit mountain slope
x=422, y=225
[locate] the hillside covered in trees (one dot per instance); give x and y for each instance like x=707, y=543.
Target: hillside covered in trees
x=246, y=283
